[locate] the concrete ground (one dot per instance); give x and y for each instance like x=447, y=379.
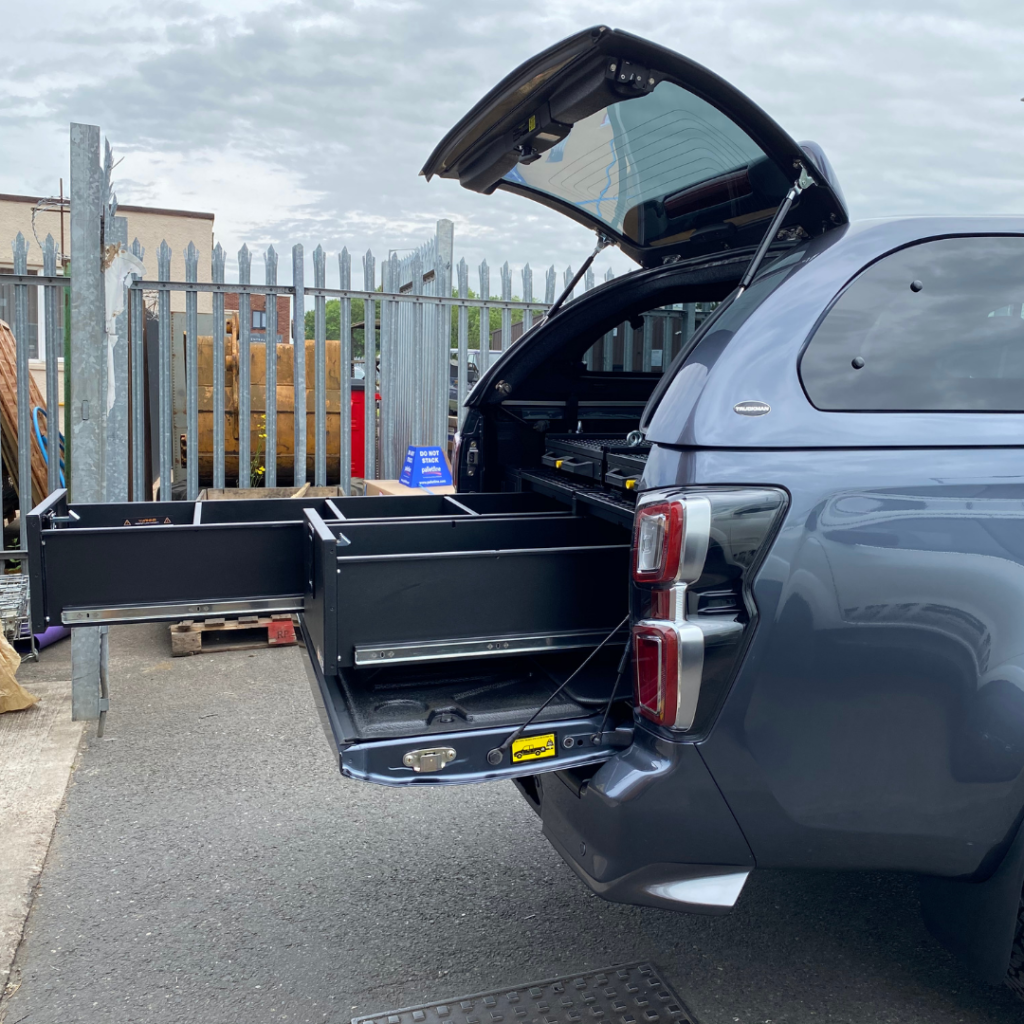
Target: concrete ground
x=211, y=865
x=37, y=748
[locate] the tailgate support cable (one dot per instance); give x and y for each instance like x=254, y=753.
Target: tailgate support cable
x=623, y=665
x=497, y=754
x=805, y=181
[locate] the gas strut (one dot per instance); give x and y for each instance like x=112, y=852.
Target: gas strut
x=602, y=243
x=805, y=181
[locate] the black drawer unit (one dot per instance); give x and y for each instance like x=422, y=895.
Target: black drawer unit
x=447, y=619
x=607, y=460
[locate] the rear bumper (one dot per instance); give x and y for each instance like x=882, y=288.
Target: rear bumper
x=649, y=828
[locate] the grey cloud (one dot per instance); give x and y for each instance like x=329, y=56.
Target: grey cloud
x=339, y=103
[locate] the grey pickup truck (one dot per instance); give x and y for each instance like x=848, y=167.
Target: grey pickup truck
x=734, y=573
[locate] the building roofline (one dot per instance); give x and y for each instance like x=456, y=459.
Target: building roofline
x=5, y=197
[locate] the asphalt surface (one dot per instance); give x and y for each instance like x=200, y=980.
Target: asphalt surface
x=211, y=865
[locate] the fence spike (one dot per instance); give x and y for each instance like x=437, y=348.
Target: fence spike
x=191, y=262
x=485, y=280
x=163, y=273
x=527, y=283
x=138, y=249
x=369, y=272
x=244, y=264
x=549, y=286
x=217, y=264
x=270, y=265
x=588, y=280
x=319, y=268
x=49, y=257
x=344, y=269
x=506, y=283
x=20, y=247
x=566, y=278
x=609, y=274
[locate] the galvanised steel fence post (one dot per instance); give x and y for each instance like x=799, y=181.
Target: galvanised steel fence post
x=217, y=276
x=345, y=372
x=485, y=318
x=319, y=369
x=165, y=417
x=463, y=341
x=243, y=370
x=51, y=307
x=527, y=297
x=370, y=364
x=25, y=502
x=299, y=364
x=270, y=368
x=137, y=333
x=88, y=375
x=192, y=374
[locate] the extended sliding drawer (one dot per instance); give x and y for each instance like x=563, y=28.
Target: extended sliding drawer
x=147, y=561
x=387, y=592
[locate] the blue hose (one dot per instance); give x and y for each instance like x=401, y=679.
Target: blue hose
x=36, y=410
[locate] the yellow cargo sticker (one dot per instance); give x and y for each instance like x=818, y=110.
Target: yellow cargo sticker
x=532, y=748
x=532, y=122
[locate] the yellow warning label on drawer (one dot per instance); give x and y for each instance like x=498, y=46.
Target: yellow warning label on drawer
x=532, y=748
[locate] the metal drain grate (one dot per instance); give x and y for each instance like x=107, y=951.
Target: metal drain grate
x=626, y=994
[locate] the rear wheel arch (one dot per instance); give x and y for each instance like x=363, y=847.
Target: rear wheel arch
x=983, y=922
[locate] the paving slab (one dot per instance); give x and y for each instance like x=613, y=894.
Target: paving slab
x=211, y=865
x=37, y=749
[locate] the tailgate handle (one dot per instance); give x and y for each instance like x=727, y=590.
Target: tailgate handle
x=429, y=759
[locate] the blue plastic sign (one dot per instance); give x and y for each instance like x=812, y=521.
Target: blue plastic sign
x=425, y=467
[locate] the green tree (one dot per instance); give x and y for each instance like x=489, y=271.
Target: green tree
x=474, y=322
x=332, y=322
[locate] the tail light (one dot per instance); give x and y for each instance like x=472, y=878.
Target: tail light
x=693, y=557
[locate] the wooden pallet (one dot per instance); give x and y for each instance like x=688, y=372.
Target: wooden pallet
x=239, y=634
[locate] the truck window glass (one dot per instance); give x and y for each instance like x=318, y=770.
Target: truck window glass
x=938, y=326
x=658, y=167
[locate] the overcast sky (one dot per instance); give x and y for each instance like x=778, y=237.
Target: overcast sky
x=309, y=121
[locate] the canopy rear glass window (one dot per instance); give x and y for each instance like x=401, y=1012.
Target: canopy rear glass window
x=657, y=168
x=936, y=326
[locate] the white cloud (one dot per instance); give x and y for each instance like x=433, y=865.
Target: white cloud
x=308, y=121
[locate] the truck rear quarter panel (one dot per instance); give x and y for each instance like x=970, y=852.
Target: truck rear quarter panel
x=878, y=718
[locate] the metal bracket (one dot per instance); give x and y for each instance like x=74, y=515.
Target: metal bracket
x=429, y=759
x=59, y=522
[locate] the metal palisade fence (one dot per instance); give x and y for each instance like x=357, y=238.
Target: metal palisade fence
x=136, y=366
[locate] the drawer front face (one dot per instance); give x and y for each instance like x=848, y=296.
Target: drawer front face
x=487, y=596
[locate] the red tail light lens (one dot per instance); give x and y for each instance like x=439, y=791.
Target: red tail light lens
x=657, y=542
x=668, y=660
x=649, y=657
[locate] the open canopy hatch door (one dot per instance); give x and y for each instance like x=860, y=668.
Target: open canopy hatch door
x=647, y=148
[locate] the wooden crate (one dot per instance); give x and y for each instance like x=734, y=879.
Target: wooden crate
x=241, y=634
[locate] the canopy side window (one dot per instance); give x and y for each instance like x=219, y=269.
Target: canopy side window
x=937, y=326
